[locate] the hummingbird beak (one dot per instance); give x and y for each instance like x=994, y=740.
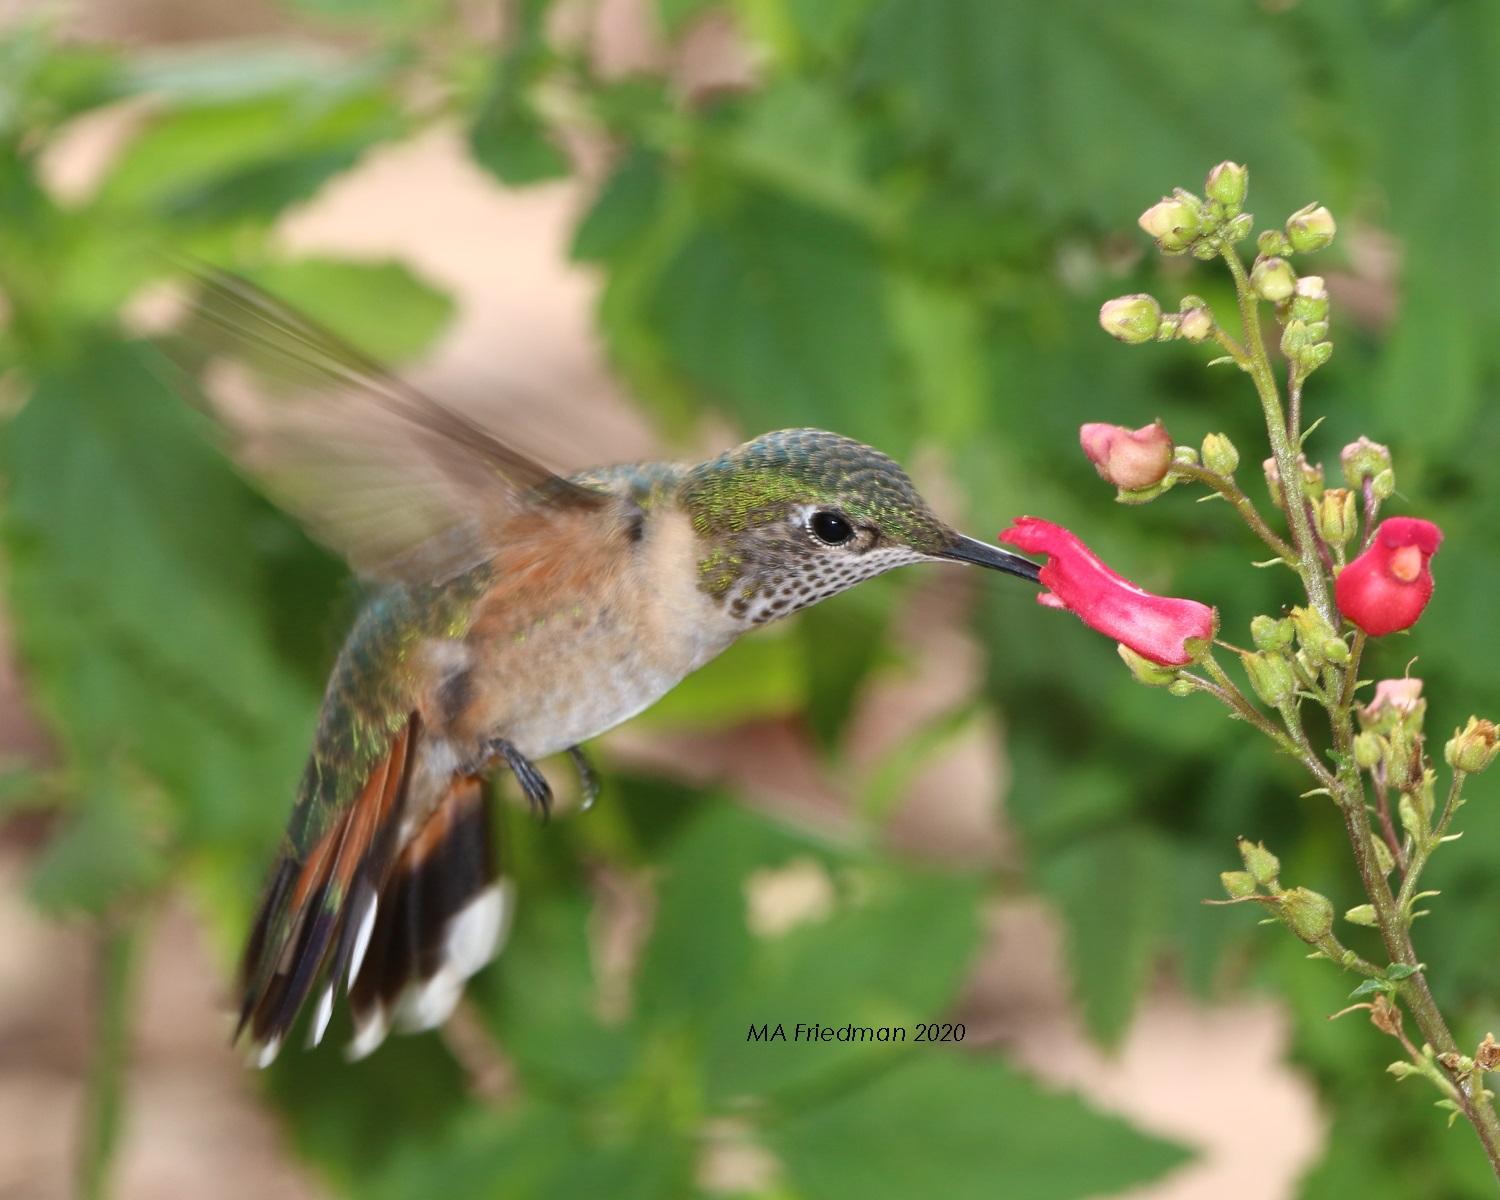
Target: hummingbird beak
x=972, y=550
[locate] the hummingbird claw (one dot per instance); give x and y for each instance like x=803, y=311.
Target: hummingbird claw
x=534, y=785
x=588, y=778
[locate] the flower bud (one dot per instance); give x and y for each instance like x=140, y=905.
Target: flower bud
x=1312, y=478
x=1394, y=700
x=1260, y=863
x=1310, y=229
x=1219, y=454
x=1411, y=817
x=1132, y=319
x=1270, y=633
x=1313, y=632
x=1273, y=482
x=1368, y=750
x=1152, y=674
x=1238, y=229
x=1227, y=183
x=1196, y=325
x=1238, y=884
x=1336, y=517
x=1173, y=221
x=1272, y=243
x=1271, y=676
x=1181, y=688
x=1131, y=459
x=1362, y=914
x=1310, y=299
x=1381, y=853
x=1313, y=356
x=1384, y=485
x=1473, y=747
x=1273, y=279
x=1363, y=459
x=1307, y=914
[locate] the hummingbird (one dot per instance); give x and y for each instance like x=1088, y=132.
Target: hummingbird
x=514, y=614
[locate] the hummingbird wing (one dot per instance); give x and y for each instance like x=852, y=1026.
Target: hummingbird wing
x=399, y=483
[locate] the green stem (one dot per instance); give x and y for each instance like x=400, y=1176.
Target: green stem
x=1230, y=695
x=103, y=1100
x=1423, y=847
x=1243, y=505
x=1283, y=447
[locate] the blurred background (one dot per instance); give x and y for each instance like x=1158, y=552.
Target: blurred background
x=617, y=229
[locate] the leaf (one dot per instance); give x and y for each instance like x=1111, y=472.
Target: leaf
x=507, y=136
x=109, y=847
x=623, y=209
x=1112, y=889
x=972, y=1123
x=776, y=312
x=383, y=308
x=1369, y=987
x=674, y=14
x=754, y=679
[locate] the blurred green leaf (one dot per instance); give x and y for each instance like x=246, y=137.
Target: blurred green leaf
x=507, y=136
x=383, y=308
x=971, y=1123
x=107, y=848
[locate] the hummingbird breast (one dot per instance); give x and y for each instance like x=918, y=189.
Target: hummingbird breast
x=582, y=628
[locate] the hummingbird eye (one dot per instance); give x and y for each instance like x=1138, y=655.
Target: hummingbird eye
x=830, y=528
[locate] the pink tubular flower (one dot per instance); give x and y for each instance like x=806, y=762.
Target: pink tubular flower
x=1386, y=588
x=1155, y=627
x=1399, y=696
x=1128, y=458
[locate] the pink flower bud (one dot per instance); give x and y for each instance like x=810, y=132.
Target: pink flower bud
x=1155, y=627
x=1386, y=588
x=1397, y=696
x=1130, y=459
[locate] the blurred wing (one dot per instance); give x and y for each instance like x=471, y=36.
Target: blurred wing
x=398, y=483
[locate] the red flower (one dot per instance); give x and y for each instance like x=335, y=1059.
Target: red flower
x=1386, y=588
x=1155, y=627
x=1128, y=458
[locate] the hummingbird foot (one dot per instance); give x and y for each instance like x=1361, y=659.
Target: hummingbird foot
x=534, y=785
x=588, y=778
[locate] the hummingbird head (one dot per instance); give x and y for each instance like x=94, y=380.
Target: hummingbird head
x=798, y=515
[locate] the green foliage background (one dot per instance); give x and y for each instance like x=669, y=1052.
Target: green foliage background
x=903, y=232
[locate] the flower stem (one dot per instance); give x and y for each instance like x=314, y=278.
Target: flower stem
x=102, y=1104
x=1243, y=505
x=1283, y=446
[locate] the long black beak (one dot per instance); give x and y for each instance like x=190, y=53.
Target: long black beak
x=972, y=550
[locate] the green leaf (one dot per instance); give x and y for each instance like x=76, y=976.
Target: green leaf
x=507, y=136
x=383, y=308
x=674, y=14
x=775, y=310
x=1113, y=890
x=1368, y=988
x=109, y=847
x=623, y=210
x=973, y=1124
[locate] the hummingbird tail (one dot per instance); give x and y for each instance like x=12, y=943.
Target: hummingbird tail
x=442, y=915
x=316, y=913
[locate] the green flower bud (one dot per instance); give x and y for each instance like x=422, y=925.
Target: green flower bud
x=1185, y=455
x=1219, y=454
x=1174, y=221
x=1307, y=914
x=1310, y=300
x=1181, y=688
x=1473, y=747
x=1362, y=914
x=1310, y=358
x=1363, y=459
x=1272, y=243
x=1336, y=517
x=1402, y=1070
x=1150, y=673
x=1384, y=485
x=1313, y=631
x=1294, y=337
x=1270, y=633
x=1261, y=865
x=1411, y=817
x=1369, y=750
x=1131, y=319
x=1381, y=853
x=1238, y=229
x=1312, y=478
x=1238, y=884
x=1227, y=183
x=1310, y=229
x=1336, y=650
x=1271, y=676
x=1273, y=279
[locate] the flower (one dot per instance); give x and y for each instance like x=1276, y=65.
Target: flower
x=1473, y=747
x=1131, y=459
x=1155, y=627
x=1396, y=696
x=1386, y=588
x=1310, y=228
x=1173, y=221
